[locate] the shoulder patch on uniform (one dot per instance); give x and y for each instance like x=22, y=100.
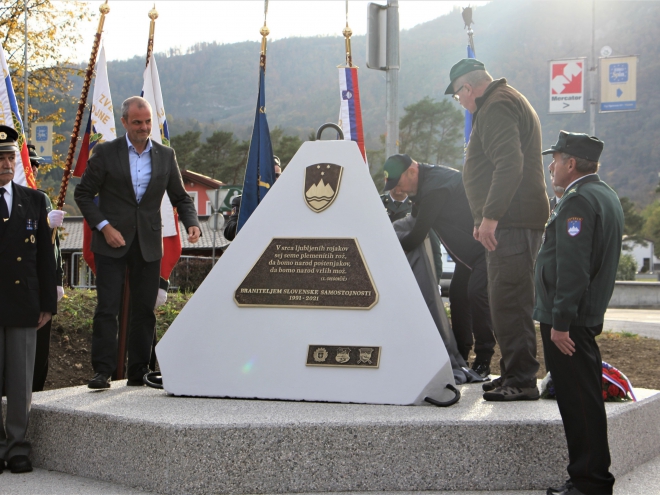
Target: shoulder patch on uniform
x=574, y=226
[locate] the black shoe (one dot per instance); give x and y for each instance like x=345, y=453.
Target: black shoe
x=569, y=491
x=20, y=464
x=138, y=379
x=99, y=381
x=554, y=491
x=2, y=465
x=506, y=393
x=488, y=386
x=482, y=368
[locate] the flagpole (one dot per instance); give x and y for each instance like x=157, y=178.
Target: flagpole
x=153, y=15
x=264, y=31
x=348, y=32
x=104, y=9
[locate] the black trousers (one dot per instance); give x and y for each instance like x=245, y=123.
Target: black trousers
x=41, y=357
x=470, y=311
x=143, y=278
x=578, y=385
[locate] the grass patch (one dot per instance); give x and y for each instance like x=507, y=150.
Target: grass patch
x=76, y=311
x=617, y=335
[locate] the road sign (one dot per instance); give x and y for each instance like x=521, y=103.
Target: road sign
x=618, y=84
x=42, y=138
x=567, y=86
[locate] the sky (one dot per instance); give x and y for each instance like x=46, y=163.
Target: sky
x=183, y=23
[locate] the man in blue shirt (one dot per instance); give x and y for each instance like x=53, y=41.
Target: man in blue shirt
x=130, y=175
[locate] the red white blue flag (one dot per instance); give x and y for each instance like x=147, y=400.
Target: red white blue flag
x=100, y=128
x=160, y=133
x=350, y=111
x=10, y=116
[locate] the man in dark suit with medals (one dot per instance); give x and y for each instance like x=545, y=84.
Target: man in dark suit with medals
x=574, y=279
x=29, y=298
x=130, y=175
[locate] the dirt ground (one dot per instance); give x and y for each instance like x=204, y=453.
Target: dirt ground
x=637, y=357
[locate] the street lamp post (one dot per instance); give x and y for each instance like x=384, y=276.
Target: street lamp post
x=218, y=221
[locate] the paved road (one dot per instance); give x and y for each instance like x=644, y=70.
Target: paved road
x=644, y=322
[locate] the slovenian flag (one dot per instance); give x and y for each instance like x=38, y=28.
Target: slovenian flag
x=260, y=170
x=161, y=134
x=100, y=128
x=468, y=116
x=350, y=112
x=10, y=116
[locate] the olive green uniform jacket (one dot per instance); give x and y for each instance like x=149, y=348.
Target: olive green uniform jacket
x=503, y=173
x=576, y=266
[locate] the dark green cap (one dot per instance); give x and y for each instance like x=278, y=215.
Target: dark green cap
x=577, y=144
x=461, y=68
x=394, y=167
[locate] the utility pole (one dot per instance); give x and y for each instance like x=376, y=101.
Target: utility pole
x=593, y=73
x=392, y=79
x=383, y=54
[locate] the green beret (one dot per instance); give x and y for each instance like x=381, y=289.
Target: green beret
x=394, y=167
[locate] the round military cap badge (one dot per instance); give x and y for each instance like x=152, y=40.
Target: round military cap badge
x=3, y=135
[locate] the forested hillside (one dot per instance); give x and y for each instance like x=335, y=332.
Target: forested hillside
x=216, y=84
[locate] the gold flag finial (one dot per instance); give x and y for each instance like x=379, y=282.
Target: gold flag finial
x=153, y=15
x=264, y=31
x=348, y=32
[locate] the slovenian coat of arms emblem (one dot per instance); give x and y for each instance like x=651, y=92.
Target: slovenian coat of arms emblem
x=322, y=182
x=574, y=226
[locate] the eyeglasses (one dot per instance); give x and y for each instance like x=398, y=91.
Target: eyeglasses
x=455, y=95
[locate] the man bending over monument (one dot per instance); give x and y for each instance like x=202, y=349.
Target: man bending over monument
x=440, y=205
x=130, y=175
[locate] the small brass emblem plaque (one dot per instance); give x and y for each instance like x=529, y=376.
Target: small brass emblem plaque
x=322, y=182
x=309, y=273
x=347, y=356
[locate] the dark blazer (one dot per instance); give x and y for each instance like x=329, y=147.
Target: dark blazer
x=27, y=264
x=576, y=266
x=108, y=174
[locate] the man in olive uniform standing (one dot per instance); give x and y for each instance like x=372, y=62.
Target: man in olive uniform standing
x=574, y=279
x=29, y=298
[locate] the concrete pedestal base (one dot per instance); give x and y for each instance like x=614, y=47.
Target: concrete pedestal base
x=143, y=438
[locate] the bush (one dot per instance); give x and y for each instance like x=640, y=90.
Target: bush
x=627, y=268
x=189, y=273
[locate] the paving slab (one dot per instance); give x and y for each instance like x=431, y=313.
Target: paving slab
x=142, y=437
x=643, y=479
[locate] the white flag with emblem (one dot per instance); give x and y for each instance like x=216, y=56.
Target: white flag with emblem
x=159, y=133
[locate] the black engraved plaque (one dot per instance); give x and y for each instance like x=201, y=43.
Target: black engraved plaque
x=346, y=356
x=309, y=273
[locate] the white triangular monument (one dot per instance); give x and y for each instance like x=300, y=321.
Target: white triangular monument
x=309, y=303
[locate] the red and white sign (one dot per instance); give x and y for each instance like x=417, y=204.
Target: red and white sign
x=567, y=86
